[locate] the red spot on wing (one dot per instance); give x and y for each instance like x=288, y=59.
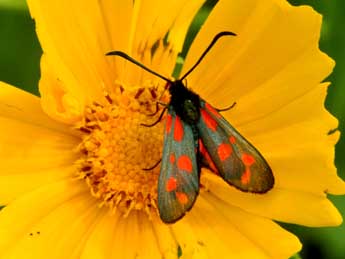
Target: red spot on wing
x=178, y=130
x=168, y=124
x=224, y=151
x=209, y=121
x=202, y=147
x=245, y=178
x=232, y=140
x=212, y=110
x=171, y=184
x=182, y=197
x=172, y=158
x=248, y=160
x=207, y=157
x=185, y=163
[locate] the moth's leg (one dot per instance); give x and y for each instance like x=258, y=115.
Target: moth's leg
x=227, y=108
x=159, y=119
x=153, y=167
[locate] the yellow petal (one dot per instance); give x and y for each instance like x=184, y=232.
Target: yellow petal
x=137, y=231
x=272, y=69
x=292, y=206
x=35, y=150
x=154, y=19
x=165, y=239
x=191, y=244
x=261, y=231
x=62, y=102
x=17, y=104
x=99, y=243
x=175, y=23
x=118, y=237
x=295, y=141
x=214, y=229
x=150, y=22
x=75, y=37
x=147, y=245
x=272, y=47
x=55, y=216
x=186, y=11
x=15, y=183
x=74, y=40
x=215, y=236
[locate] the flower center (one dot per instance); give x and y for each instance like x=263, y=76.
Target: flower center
x=116, y=149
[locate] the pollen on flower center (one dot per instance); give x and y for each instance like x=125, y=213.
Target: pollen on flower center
x=116, y=148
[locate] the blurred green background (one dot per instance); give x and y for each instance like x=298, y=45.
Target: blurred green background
x=19, y=65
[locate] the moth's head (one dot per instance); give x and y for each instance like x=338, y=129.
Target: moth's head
x=176, y=87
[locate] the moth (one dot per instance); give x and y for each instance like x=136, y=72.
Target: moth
x=196, y=135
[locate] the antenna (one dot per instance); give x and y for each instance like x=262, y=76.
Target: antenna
x=125, y=56
x=215, y=39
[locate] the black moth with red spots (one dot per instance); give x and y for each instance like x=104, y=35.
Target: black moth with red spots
x=197, y=135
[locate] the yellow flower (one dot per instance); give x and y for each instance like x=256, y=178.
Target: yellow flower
x=71, y=161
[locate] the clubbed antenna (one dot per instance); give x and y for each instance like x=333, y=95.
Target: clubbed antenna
x=125, y=56
x=215, y=39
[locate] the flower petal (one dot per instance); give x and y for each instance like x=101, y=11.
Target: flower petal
x=99, y=243
x=38, y=220
x=261, y=231
x=191, y=244
x=75, y=70
x=119, y=237
x=154, y=19
x=276, y=50
x=272, y=69
x=35, y=150
x=292, y=206
x=60, y=101
x=295, y=141
x=147, y=245
x=17, y=182
x=210, y=232
x=166, y=241
x=205, y=232
x=17, y=104
x=266, y=66
x=74, y=39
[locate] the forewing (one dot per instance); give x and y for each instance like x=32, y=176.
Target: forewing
x=236, y=160
x=178, y=183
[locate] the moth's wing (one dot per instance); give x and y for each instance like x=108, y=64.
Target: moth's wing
x=178, y=183
x=205, y=159
x=230, y=155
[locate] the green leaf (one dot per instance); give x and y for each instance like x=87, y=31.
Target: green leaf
x=13, y=4
x=296, y=256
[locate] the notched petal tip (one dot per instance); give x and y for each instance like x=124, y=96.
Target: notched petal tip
x=60, y=105
x=57, y=100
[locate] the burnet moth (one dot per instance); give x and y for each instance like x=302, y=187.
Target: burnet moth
x=196, y=135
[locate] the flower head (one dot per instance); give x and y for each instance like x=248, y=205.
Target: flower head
x=72, y=175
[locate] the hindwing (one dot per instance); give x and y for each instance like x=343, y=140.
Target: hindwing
x=230, y=155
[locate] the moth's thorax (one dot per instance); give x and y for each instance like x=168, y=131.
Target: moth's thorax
x=185, y=103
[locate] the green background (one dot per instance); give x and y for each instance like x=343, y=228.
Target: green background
x=19, y=65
